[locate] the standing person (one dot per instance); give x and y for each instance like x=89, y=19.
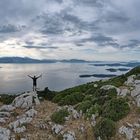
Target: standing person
x=35, y=81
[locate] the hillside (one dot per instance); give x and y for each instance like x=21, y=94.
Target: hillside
x=101, y=110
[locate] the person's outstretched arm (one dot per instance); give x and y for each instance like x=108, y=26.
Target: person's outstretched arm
x=39, y=76
x=30, y=76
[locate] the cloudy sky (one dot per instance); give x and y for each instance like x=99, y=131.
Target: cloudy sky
x=67, y=29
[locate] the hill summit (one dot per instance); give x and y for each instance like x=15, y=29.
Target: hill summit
x=100, y=110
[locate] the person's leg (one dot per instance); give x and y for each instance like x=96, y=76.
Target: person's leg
x=33, y=88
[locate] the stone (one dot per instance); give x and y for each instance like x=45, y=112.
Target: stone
x=93, y=120
x=95, y=85
x=2, y=120
x=130, y=80
x=7, y=108
x=4, y=114
x=124, y=92
x=107, y=87
x=74, y=112
x=26, y=100
x=31, y=113
x=56, y=128
x=20, y=129
x=69, y=136
x=127, y=131
x=4, y=133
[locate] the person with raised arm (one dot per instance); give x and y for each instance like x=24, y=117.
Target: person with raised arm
x=34, y=78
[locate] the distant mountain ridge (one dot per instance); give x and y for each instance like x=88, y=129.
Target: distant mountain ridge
x=30, y=60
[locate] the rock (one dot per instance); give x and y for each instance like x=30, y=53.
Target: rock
x=74, y=112
x=4, y=114
x=135, y=93
x=124, y=92
x=107, y=87
x=82, y=128
x=26, y=100
x=128, y=131
x=7, y=108
x=18, y=123
x=95, y=85
x=20, y=129
x=69, y=136
x=4, y=133
x=137, y=125
x=31, y=113
x=93, y=119
x=130, y=80
x=56, y=128
x=2, y=120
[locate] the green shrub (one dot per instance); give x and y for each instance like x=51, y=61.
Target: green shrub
x=134, y=71
x=105, y=128
x=72, y=99
x=59, y=116
x=84, y=106
x=116, y=109
x=46, y=94
x=95, y=109
x=7, y=99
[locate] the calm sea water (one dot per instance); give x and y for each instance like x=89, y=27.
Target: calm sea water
x=55, y=76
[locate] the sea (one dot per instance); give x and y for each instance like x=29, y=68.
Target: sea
x=56, y=76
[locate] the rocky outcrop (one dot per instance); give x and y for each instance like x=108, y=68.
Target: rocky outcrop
x=74, y=113
x=4, y=133
x=69, y=136
x=26, y=118
x=56, y=128
x=127, y=131
x=26, y=100
x=107, y=87
x=7, y=108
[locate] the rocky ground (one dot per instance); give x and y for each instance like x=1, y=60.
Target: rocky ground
x=28, y=118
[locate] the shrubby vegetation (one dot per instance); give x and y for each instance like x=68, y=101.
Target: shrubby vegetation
x=95, y=109
x=105, y=128
x=46, y=94
x=84, y=106
x=59, y=116
x=116, y=109
x=72, y=99
x=7, y=99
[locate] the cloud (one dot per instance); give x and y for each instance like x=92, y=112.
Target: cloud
x=59, y=28
x=39, y=47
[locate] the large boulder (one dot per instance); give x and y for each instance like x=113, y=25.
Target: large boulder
x=26, y=100
x=26, y=118
x=4, y=134
x=127, y=131
x=7, y=108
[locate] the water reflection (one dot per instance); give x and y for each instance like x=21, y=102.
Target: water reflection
x=56, y=76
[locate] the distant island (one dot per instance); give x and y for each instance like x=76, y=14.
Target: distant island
x=125, y=64
x=98, y=75
x=115, y=70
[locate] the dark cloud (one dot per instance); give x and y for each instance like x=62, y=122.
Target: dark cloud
x=10, y=28
x=38, y=47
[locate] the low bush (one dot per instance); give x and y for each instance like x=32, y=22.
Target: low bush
x=95, y=109
x=105, y=129
x=59, y=116
x=46, y=94
x=116, y=109
x=72, y=99
x=84, y=106
x=7, y=99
